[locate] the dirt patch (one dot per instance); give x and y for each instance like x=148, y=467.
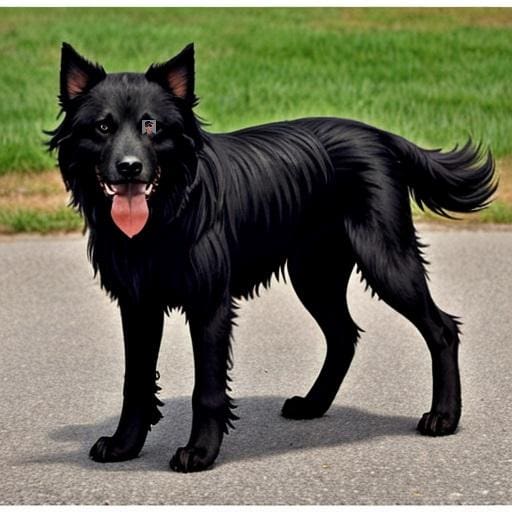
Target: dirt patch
x=42, y=191
x=418, y=19
x=45, y=192
x=504, y=168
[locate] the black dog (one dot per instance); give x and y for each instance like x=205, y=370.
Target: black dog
x=192, y=220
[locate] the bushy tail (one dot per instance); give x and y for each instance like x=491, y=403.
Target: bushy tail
x=461, y=180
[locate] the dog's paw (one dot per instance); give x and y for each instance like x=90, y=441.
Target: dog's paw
x=190, y=459
x=108, y=449
x=437, y=424
x=299, y=408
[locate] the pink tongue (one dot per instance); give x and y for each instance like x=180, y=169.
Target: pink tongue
x=129, y=208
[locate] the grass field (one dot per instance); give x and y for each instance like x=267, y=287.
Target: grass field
x=433, y=75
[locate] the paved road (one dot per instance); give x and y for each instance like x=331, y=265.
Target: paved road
x=61, y=369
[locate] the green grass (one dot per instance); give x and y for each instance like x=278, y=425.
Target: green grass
x=36, y=221
x=434, y=76
x=498, y=212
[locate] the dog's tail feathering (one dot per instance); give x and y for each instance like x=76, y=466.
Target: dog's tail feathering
x=461, y=180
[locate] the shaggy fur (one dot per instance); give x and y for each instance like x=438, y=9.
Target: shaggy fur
x=229, y=211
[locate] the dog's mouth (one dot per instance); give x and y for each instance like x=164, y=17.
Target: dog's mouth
x=129, y=210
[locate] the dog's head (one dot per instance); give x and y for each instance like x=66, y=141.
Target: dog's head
x=108, y=161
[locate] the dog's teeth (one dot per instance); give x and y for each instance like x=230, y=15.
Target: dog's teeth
x=108, y=190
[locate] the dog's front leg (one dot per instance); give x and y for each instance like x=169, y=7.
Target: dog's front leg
x=142, y=331
x=211, y=406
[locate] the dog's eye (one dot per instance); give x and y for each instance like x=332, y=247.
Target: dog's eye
x=103, y=127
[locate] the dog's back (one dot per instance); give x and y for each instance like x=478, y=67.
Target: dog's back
x=279, y=183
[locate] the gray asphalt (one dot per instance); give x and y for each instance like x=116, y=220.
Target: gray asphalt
x=61, y=377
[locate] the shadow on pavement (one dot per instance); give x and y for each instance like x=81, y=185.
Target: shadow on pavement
x=260, y=432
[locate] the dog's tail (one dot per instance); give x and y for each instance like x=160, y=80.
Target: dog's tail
x=461, y=180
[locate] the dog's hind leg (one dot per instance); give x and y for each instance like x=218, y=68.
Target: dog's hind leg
x=142, y=330
x=387, y=253
x=319, y=271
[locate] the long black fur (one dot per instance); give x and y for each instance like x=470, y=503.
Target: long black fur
x=320, y=194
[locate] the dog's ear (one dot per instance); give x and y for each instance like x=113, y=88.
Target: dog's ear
x=77, y=75
x=177, y=74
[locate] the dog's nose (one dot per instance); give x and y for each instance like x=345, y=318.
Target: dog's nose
x=129, y=167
